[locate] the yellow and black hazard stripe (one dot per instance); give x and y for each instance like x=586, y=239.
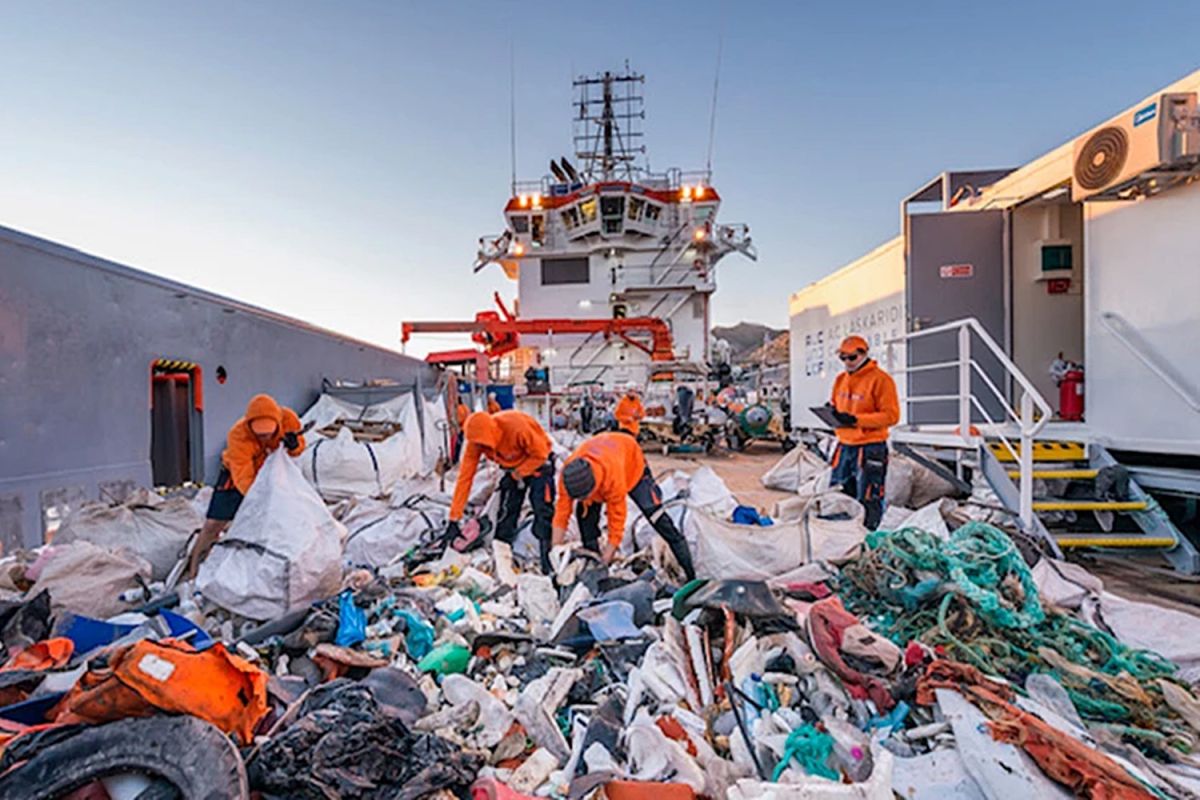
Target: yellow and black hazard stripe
x=174, y=365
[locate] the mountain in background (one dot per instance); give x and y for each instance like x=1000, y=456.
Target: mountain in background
x=746, y=342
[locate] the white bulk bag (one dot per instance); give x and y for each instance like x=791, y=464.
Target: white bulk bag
x=283, y=550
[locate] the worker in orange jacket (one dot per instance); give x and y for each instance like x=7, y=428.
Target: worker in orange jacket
x=493, y=405
x=865, y=405
x=261, y=430
x=604, y=470
x=630, y=411
x=461, y=413
x=516, y=442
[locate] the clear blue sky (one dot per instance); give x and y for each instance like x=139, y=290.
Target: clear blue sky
x=337, y=161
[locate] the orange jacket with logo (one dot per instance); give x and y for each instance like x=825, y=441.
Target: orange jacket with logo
x=618, y=464
x=629, y=413
x=243, y=455
x=512, y=439
x=869, y=394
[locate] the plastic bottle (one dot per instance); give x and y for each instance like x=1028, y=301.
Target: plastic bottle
x=851, y=749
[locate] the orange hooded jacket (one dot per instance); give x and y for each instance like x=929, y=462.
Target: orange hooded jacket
x=463, y=412
x=618, y=464
x=629, y=413
x=868, y=393
x=493, y=406
x=243, y=455
x=512, y=439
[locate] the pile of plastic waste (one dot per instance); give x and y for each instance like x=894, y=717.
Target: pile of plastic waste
x=337, y=647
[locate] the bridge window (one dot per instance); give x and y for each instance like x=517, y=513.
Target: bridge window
x=558, y=271
x=636, y=204
x=520, y=224
x=587, y=210
x=652, y=212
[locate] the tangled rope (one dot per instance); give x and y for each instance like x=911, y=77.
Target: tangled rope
x=974, y=596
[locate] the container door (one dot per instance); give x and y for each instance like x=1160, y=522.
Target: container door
x=955, y=270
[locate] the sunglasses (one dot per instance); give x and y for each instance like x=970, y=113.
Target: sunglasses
x=848, y=357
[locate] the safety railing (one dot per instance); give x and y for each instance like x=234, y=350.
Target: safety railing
x=1030, y=416
x=1126, y=334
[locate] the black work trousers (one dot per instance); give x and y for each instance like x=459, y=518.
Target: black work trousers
x=861, y=469
x=648, y=498
x=540, y=488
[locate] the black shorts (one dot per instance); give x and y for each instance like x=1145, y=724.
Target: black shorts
x=226, y=499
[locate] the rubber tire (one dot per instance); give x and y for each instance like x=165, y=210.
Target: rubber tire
x=199, y=760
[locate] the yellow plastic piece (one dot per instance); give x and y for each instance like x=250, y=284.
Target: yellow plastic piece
x=1042, y=451
x=1061, y=474
x=1100, y=541
x=1089, y=505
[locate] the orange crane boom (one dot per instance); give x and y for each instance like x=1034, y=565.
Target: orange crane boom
x=499, y=334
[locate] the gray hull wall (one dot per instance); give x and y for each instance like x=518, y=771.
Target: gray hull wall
x=77, y=338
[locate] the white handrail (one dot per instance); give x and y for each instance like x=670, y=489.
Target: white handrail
x=1029, y=422
x=1107, y=318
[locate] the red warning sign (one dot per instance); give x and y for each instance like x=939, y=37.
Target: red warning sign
x=956, y=270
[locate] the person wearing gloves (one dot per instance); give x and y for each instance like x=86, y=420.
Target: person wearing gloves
x=630, y=411
x=261, y=430
x=516, y=442
x=865, y=405
x=603, y=471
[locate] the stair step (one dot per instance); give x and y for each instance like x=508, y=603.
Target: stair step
x=1090, y=505
x=1061, y=474
x=1113, y=540
x=1042, y=451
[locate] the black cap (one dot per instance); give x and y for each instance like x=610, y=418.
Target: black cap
x=578, y=478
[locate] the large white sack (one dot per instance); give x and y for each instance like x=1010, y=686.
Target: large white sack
x=779, y=552
x=146, y=524
x=342, y=467
x=707, y=492
x=283, y=550
x=913, y=485
x=800, y=470
x=84, y=578
x=434, y=434
x=379, y=532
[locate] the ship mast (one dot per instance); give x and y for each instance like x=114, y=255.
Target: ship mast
x=607, y=136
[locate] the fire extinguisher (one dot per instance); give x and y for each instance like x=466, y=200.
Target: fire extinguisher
x=1070, y=395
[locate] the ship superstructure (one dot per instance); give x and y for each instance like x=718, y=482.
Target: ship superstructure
x=603, y=237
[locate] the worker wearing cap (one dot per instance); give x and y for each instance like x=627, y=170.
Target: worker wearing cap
x=516, y=442
x=603, y=471
x=630, y=411
x=493, y=405
x=261, y=430
x=865, y=405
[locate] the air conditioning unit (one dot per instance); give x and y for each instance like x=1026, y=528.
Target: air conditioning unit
x=1121, y=158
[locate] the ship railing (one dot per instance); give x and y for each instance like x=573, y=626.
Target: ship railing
x=1029, y=416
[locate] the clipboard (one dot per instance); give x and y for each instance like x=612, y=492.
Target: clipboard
x=825, y=414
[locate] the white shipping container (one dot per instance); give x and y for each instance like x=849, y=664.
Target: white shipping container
x=866, y=297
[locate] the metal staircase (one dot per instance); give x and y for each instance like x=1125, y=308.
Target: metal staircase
x=1050, y=486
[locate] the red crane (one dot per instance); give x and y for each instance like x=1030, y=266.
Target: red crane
x=499, y=333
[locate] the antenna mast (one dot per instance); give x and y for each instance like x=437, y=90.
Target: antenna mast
x=606, y=131
x=712, y=120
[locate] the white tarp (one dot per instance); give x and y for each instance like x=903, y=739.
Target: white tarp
x=329, y=409
x=380, y=532
x=1166, y=631
x=146, y=524
x=283, y=550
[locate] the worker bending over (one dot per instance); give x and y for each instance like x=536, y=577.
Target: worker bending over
x=261, y=430
x=516, y=442
x=865, y=404
x=461, y=413
x=604, y=470
x=630, y=411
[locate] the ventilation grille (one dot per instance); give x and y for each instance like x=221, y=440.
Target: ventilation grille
x=1102, y=158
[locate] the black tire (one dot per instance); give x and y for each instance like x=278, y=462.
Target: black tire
x=199, y=761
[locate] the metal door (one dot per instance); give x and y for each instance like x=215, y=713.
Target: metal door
x=956, y=263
